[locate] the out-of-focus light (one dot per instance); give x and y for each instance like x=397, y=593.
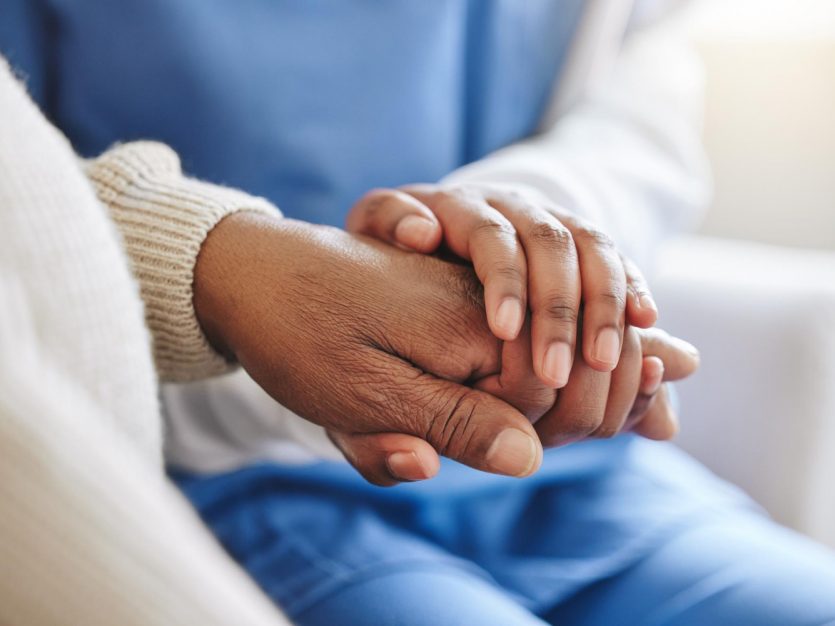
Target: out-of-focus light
x=773, y=20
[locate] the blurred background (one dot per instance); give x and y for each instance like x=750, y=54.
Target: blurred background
x=770, y=118
x=755, y=289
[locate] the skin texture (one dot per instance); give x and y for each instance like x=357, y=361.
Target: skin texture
x=529, y=254
x=361, y=337
x=514, y=234
x=374, y=344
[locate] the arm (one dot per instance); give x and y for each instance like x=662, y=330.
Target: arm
x=625, y=152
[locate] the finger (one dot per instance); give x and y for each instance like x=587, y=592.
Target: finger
x=680, y=358
x=517, y=383
x=579, y=409
x=396, y=218
x=652, y=374
x=475, y=231
x=604, y=294
x=464, y=424
x=641, y=310
x=387, y=459
x=623, y=387
x=660, y=422
x=553, y=284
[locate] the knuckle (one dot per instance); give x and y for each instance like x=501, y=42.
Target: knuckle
x=559, y=307
x=450, y=427
x=379, y=202
x=583, y=423
x=533, y=403
x=456, y=194
x=612, y=296
x=493, y=227
x=552, y=236
x=594, y=236
x=508, y=273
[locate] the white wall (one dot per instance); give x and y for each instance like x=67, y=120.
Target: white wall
x=770, y=118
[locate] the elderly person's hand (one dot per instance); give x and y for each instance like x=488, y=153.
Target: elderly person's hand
x=361, y=337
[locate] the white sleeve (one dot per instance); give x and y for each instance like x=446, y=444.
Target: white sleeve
x=626, y=154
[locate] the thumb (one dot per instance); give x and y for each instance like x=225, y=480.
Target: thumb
x=386, y=459
x=461, y=423
x=396, y=218
x=476, y=428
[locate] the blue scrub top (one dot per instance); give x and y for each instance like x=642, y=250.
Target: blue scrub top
x=309, y=103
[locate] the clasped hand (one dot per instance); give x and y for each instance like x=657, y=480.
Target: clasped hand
x=403, y=356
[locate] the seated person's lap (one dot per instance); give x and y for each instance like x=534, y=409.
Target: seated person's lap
x=621, y=531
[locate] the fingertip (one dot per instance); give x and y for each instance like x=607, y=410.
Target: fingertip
x=431, y=463
x=514, y=453
x=418, y=233
x=652, y=374
x=406, y=465
x=638, y=314
x=647, y=303
x=692, y=356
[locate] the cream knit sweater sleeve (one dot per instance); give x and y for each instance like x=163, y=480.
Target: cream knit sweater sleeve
x=164, y=217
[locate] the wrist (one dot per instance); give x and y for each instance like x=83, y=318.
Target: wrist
x=225, y=268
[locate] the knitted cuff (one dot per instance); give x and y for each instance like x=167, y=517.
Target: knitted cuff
x=164, y=218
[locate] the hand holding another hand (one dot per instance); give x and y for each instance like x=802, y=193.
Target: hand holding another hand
x=360, y=338
x=509, y=232
x=529, y=254
x=392, y=353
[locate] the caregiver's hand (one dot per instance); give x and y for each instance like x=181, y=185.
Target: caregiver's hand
x=632, y=397
x=360, y=337
x=593, y=404
x=528, y=253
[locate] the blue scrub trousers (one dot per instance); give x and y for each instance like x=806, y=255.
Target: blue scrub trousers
x=607, y=533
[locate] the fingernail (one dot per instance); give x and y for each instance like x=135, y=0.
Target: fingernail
x=509, y=317
x=556, y=366
x=405, y=466
x=607, y=347
x=414, y=232
x=512, y=453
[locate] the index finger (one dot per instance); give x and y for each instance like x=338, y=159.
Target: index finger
x=477, y=232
